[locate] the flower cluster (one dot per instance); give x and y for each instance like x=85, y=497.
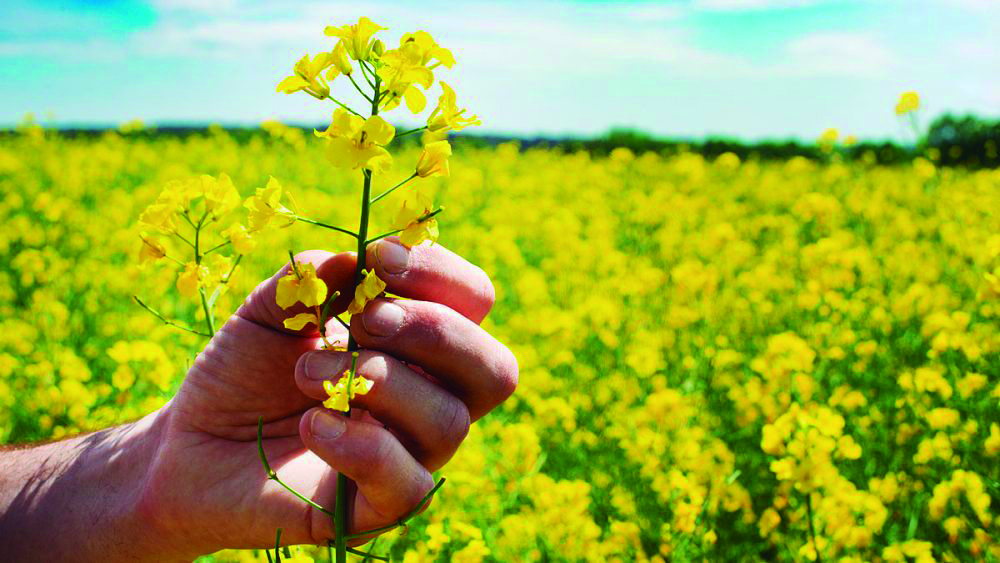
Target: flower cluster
x=354, y=141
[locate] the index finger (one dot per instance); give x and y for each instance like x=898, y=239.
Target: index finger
x=431, y=272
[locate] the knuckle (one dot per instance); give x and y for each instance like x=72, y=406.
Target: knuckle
x=454, y=425
x=380, y=455
x=374, y=366
x=486, y=294
x=429, y=326
x=507, y=374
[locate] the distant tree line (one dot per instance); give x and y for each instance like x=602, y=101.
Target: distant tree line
x=967, y=141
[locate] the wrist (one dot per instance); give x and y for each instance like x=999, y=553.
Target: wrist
x=82, y=498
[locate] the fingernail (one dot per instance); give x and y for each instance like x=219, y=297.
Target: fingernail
x=325, y=365
x=327, y=426
x=393, y=256
x=382, y=318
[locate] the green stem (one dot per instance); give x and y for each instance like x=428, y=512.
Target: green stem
x=405, y=133
x=184, y=239
x=165, y=320
x=358, y=88
x=419, y=220
x=351, y=374
x=272, y=475
x=383, y=235
x=209, y=321
x=409, y=515
x=339, y=521
x=295, y=267
x=324, y=314
x=225, y=280
x=342, y=323
x=359, y=270
x=365, y=72
x=214, y=248
x=174, y=260
x=325, y=226
x=343, y=105
x=342, y=517
x=367, y=554
x=392, y=189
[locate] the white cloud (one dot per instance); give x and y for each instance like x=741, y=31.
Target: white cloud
x=838, y=53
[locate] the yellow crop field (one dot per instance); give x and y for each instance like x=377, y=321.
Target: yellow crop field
x=719, y=360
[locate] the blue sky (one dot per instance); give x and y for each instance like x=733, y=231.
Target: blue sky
x=750, y=69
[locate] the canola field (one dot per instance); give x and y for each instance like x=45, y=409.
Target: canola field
x=720, y=360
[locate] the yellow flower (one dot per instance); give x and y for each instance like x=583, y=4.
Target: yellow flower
x=992, y=288
x=829, y=137
x=307, y=76
x=161, y=214
x=769, y=520
x=220, y=195
x=447, y=115
x=356, y=37
x=433, y=160
x=407, y=66
x=408, y=220
x=339, y=395
x=953, y=526
x=940, y=418
x=368, y=289
x=847, y=448
x=218, y=267
x=191, y=279
x=421, y=43
x=265, y=205
x=908, y=101
x=436, y=537
x=298, y=322
x=152, y=250
x=355, y=142
x=240, y=237
x=772, y=440
x=784, y=469
x=301, y=286
x=992, y=444
x=341, y=64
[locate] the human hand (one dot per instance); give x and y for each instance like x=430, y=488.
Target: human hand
x=434, y=371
